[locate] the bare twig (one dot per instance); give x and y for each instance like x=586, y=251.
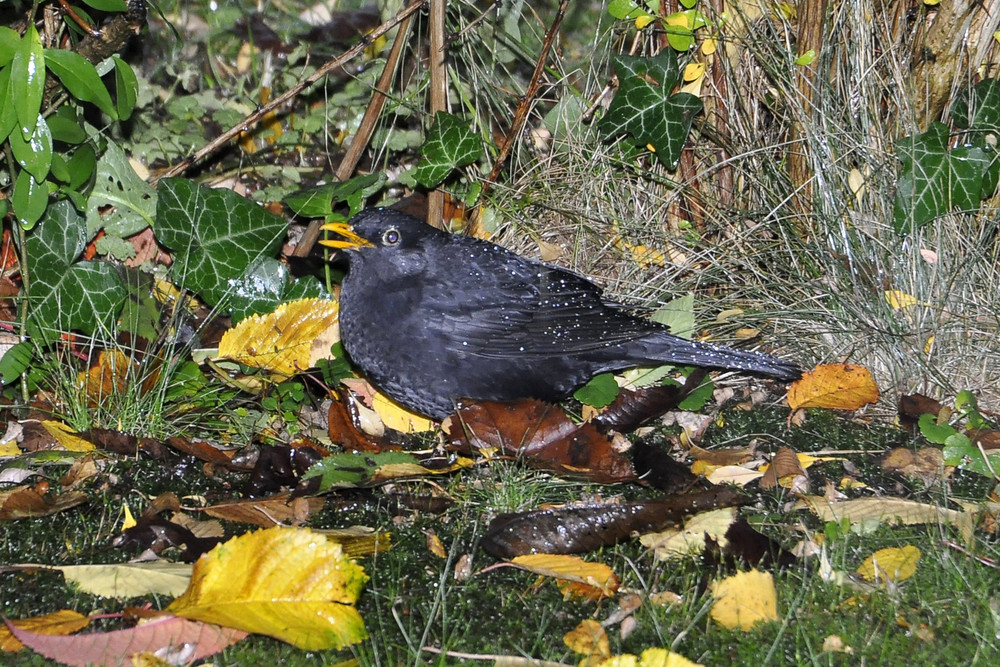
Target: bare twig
x=253, y=118
x=364, y=133
x=439, y=95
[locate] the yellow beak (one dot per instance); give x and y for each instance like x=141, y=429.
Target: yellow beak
x=350, y=239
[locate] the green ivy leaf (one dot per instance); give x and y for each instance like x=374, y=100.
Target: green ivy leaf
x=132, y=199
x=645, y=108
x=35, y=154
x=934, y=181
x=979, y=107
x=80, y=78
x=67, y=295
x=27, y=80
x=29, y=199
x=450, y=144
x=599, y=392
x=318, y=202
x=126, y=88
x=697, y=399
x=214, y=235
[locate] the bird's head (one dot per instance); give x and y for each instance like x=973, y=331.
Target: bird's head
x=378, y=228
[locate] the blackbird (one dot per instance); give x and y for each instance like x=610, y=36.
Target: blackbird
x=432, y=318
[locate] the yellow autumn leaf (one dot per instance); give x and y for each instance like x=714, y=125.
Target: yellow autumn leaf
x=289, y=340
x=744, y=599
x=709, y=46
x=644, y=20
x=570, y=568
x=399, y=418
x=62, y=622
x=651, y=657
x=673, y=544
x=893, y=564
x=289, y=583
x=897, y=299
x=589, y=639
x=834, y=386
x=693, y=71
x=67, y=437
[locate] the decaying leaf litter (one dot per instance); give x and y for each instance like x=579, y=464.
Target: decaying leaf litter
x=430, y=490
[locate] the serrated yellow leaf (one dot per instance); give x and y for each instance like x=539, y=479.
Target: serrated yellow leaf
x=289, y=583
x=893, y=564
x=288, y=341
x=62, y=622
x=589, y=639
x=744, y=599
x=833, y=386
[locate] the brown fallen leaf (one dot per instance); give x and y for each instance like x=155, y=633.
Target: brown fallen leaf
x=912, y=406
x=926, y=464
x=784, y=469
x=26, y=502
x=542, y=435
x=833, y=386
x=266, y=512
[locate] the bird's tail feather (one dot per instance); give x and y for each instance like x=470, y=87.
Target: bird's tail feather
x=680, y=351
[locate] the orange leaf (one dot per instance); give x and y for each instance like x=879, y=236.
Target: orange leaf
x=571, y=568
x=834, y=386
x=61, y=622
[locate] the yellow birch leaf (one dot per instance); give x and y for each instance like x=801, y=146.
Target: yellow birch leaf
x=9, y=448
x=693, y=71
x=898, y=299
x=67, y=437
x=570, y=568
x=399, y=418
x=290, y=583
x=589, y=639
x=644, y=20
x=651, y=657
x=674, y=544
x=893, y=564
x=289, y=340
x=744, y=599
x=62, y=622
x=709, y=46
x=834, y=386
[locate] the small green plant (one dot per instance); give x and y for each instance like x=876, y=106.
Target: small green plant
x=960, y=449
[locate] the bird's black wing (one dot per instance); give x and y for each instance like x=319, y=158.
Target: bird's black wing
x=513, y=306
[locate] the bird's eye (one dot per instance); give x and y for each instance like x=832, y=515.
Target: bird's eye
x=390, y=237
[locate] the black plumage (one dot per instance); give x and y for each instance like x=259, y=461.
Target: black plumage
x=432, y=318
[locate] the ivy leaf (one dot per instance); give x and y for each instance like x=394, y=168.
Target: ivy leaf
x=645, y=108
x=80, y=78
x=318, y=202
x=67, y=295
x=450, y=144
x=934, y=181
x=215, y=235
x=132, y=199
x=599, y=392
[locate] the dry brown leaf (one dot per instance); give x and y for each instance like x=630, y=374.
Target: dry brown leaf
x=784, y=467
x=289, y=340
x=744, y=599
x=869, y=513
x=834, y=386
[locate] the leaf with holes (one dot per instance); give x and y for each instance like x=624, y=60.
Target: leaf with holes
x=132, y=201
x=645, y=107
x=215, y=235
x=67, y=295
